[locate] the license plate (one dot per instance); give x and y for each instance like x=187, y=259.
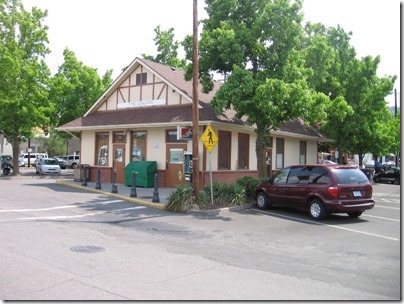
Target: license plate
x=357, y=193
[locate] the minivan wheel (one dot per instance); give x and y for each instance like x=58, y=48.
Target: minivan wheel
x=262, y=201
x=355, y=214
x=317, y=210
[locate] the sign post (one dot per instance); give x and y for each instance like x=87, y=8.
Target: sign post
x=210, y=140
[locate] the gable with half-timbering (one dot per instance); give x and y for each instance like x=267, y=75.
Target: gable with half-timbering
x=143, y=88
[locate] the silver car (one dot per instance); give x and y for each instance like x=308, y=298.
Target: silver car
x=47, y=166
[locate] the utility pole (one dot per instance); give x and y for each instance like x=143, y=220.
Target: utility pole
x=395, y=115
x=195, y=104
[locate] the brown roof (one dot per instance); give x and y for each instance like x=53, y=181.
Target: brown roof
x=297, y=126
x=178, y=114
x=176, y=77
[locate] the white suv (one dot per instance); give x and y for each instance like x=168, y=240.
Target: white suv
x=72, y=160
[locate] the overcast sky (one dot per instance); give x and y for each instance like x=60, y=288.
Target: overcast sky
x=110, y=34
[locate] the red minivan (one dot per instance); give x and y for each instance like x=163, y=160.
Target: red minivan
x=320, y=189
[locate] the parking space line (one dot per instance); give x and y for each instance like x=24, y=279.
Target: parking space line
x=328, y=225
x=61, y=207
x=64, y=217
x=59, y=217
x=380, y=217
x=386, y=207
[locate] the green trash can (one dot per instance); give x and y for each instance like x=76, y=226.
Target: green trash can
x=145, y=171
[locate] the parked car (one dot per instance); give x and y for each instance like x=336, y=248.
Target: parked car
x=32, y=157
x=320, y=189
x=47, y=166
x=21, y=162
x=63, y=164
x=329, y=162
x=370, y=164
x=73, y=160
x=390, y=175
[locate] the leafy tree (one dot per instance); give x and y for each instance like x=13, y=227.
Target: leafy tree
x=167, y=49
x=358, y=111
x=366, y=92
x=74, y=88
x=394, y=133
x=24, y=76
x=256, y=43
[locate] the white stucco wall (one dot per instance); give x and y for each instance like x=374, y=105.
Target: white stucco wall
x=292, y=151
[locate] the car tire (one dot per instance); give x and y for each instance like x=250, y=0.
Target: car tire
x=355, y=214
x=317, y=210
x=397, y=181
x=376, y=179
x=36, y=171
x=262, y=201
x=74, y=166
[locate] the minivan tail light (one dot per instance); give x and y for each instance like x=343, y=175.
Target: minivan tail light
x=334, y=191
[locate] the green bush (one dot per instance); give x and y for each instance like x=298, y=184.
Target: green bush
x=182, y=198
x=226, y=194
x=248, y=183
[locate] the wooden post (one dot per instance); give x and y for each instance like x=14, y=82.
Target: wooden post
x=195, y=103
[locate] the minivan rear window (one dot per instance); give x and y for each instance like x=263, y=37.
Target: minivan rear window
x=350, y=176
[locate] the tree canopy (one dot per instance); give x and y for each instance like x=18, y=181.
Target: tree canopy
x=75, y=87
x=167, y=49
x=24, y=75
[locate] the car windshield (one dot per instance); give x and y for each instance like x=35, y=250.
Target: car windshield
x=51, y=162
x=350, y=176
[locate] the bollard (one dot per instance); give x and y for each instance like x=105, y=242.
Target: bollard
x=114, y=187
x=133, y=189
x=98, y=182
x=156, y=198
x=84, y=182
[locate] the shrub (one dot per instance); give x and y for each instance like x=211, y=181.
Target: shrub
x=181, y=199
x=248, y=183
x=226, y=194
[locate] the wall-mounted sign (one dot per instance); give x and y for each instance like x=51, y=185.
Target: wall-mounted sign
x=184, y=133
x=141, y=103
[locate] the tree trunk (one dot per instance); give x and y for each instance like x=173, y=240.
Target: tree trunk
x=16, y=152
x=260, y=151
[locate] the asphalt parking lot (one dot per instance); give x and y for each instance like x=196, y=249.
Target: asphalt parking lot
x=152, y=254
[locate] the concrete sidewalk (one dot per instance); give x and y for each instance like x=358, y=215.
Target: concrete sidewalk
x=144, y=196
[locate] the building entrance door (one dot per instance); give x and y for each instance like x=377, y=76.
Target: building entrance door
x=268, y=161
x=175, y=165
x=119, y=163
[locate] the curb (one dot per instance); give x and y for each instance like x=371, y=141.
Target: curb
x=156, y=205
x=126, y=198
x=221, y=210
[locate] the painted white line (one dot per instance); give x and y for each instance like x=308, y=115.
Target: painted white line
x=380, y=217
x=60, y=217
x=327, y=225
x=61, y=207
x=65, y=217
x=394, y=201
x=386, y=207
x=131, y=208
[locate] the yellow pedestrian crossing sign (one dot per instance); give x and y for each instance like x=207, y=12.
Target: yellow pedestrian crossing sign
x=209, y=138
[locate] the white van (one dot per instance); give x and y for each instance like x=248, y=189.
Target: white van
x=33, y=156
